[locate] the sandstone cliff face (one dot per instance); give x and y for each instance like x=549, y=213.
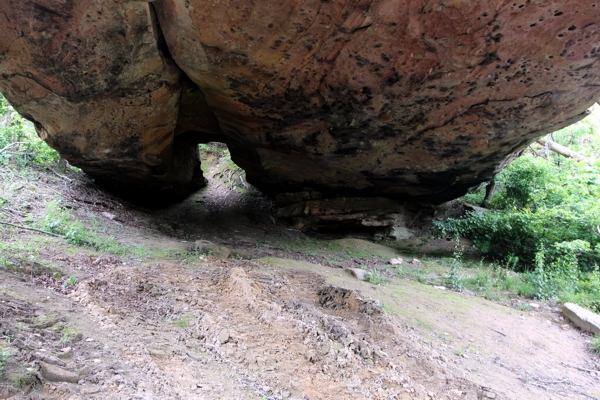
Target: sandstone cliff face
x=99, y=88
x=411, y=100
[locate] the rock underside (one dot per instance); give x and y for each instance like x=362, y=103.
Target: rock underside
x=402, y=101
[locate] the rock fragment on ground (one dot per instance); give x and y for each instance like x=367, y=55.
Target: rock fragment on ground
x=396, y=261
x=582, y=318
x=358, y=273
x=50, y=359
x=204, y=246
x=108, y=215
x=54, y=373
x=224, y=336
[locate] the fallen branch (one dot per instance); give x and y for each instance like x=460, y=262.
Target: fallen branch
x=555, y=382
x=576, y=367
x=535, y=153
x=10, y=145
x=60, y=175
x=31, y=229
x=563, y=151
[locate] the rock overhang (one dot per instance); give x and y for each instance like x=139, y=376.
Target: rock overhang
x=410, y=101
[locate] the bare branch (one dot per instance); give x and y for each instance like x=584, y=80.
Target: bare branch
x=10, y=145
x=59, y=175
x=562, y=150
x=31, y=229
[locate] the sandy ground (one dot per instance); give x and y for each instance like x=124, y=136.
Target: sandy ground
x=282, y=325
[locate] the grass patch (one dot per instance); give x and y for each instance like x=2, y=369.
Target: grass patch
x=25, y=258
x=69, y=333
x=183, y=322
x=544, y=220
x=58, y=220
x=45, y=317
x=4, y=354
x=595, y=345
x=374, y=277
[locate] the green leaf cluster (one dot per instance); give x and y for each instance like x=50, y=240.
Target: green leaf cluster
x=544, y=219
x=19, y=143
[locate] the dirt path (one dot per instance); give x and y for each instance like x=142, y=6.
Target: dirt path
x=279, y=329
x=280, y=326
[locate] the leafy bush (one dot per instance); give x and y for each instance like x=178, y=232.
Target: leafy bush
x=540, y=203
x=19, y=142
x=521, y=233
x=544, y=220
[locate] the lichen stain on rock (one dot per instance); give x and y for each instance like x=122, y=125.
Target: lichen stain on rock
x=413, y=101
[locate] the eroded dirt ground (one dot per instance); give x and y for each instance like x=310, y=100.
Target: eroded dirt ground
x=283, y=322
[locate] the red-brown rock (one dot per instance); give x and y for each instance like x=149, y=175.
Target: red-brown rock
x=411, y=100
x=100, y=89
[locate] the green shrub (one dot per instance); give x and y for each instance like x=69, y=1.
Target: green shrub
x=19, y=143
x=544, y=220
x=521, y=233
x=595, y=345
x=374, y=277
x=537, y=204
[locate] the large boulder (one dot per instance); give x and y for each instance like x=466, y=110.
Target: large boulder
x=97, y=81
x=414, y=101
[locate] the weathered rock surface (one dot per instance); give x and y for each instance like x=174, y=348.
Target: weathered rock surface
x=53, y=373
x=100, y=89
x=204, y=246
x=585, y=319
x=411, y=101
x=358, y=273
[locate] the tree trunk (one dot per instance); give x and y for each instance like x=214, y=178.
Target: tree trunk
x=489, y=193
x=62, y=165
x=7, y=118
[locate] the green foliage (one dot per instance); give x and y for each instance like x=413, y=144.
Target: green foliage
x=524, y=307
x=24, y=258
x=58, y=220
x=544, y=220
x=595, y=345
x=19, y=144
x=217, y=149
x=454, y=280
x=507, y=235
x=4, y=354
x=374, y=277
x=538, y=204
x=69, y=282
x=223, y=168
x=68, y=334
x=183, y=322
x=555, y=273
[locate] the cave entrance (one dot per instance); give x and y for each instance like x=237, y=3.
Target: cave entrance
x=224, y=211
x=220, y=170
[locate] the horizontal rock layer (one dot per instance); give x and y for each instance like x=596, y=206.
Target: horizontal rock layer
x=414, y=101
